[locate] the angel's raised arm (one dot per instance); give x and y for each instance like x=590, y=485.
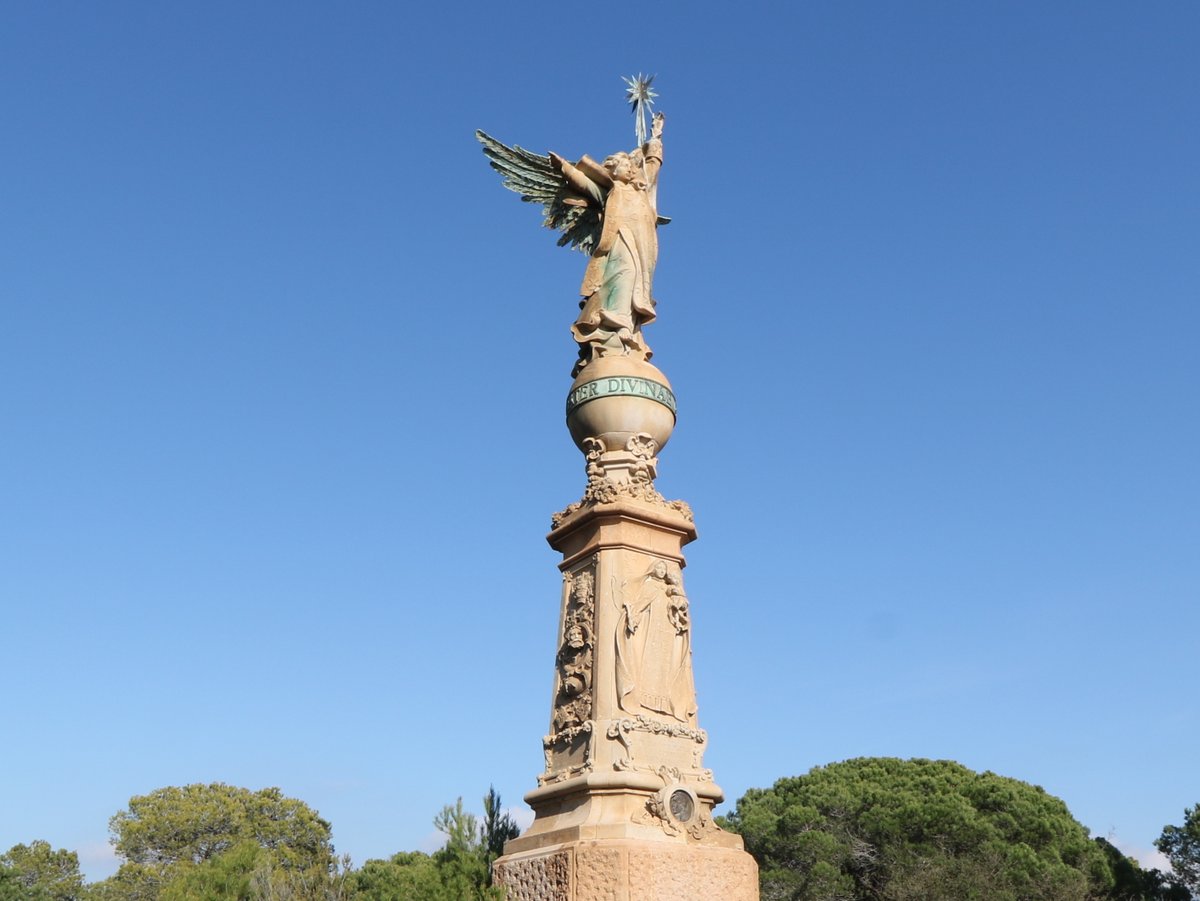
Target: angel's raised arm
x=588, y=179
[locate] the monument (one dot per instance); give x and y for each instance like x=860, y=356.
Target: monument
x=623, y=809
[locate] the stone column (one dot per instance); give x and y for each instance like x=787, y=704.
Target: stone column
x=623, y=810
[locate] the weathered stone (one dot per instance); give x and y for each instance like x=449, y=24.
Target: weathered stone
x=629, y=871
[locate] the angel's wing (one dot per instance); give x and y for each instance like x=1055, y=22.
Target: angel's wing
x=536, y=180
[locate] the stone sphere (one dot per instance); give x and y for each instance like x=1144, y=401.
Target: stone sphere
x=614, y=398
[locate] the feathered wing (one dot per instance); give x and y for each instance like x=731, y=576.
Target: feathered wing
x=536, y=180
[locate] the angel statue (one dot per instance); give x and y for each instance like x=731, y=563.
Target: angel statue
x=607, y=210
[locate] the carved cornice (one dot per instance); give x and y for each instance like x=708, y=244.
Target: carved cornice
x=603, y=500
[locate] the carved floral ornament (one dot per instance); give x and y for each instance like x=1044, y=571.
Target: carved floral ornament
x=627, y=475
x=619, y=729
x=592, y=450
x=642, y=446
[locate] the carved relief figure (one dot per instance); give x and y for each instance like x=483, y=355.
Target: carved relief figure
x=610, y=212
x=653, y=648
x=573, y=700
x=683, y=683
x=632, y=632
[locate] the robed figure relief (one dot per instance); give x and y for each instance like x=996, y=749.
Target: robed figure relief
x=654, y=648
x=608, y=210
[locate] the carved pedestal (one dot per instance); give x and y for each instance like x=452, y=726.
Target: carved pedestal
x=623, y=811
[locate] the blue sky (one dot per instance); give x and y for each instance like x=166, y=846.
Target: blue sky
x=284, y=369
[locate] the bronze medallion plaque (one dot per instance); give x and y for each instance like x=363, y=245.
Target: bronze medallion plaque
x=682, y=805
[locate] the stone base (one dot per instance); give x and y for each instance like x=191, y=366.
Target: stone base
x=628, y=870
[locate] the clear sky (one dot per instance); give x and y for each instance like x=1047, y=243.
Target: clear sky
x=283, y=373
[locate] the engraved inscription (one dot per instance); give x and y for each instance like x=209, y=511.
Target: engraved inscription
x=621, y=386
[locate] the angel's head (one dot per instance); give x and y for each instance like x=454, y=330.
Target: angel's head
x=626, y=167
x=620, y=166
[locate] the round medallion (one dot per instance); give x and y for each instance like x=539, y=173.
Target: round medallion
x=682, y=805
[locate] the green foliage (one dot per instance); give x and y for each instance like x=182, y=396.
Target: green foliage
x=196, y=822
x=462, y=862
x=250, y=872
x=1132, y=883
x=10, y=889
x=882, y=829
x=222, y=843
x=132, y=882
x=404, y=876
x=10, y=886
x=459, y=827
x=244, y=872
x=497, y=828
x=228, y=876
x=36, y=872
x=219, y=842
x=1181, y=844
x=457, y=872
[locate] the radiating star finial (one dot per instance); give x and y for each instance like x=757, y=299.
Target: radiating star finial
x=641, y=98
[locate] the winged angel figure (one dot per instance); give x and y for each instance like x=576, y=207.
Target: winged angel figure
x=609, y=211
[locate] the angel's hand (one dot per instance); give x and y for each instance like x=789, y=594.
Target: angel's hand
x=656, y=126
x=556, y=161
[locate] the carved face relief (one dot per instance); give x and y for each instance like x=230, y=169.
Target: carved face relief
x=573, y=697
x=575, y=636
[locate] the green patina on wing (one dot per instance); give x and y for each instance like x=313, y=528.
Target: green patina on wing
x=532, y=176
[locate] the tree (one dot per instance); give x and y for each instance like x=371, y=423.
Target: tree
x=36, y=872
x=227, y=877
x=131, y=882
x=462, y=862
x=1132, y=883
x=459, y=871
x=459, y=827
x=197, y=822
x=1181, y=844
x=405, y=876
x=10, y=888
x=882, y=829
x=183, y=834
x=249, y=872
x=497, y=827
